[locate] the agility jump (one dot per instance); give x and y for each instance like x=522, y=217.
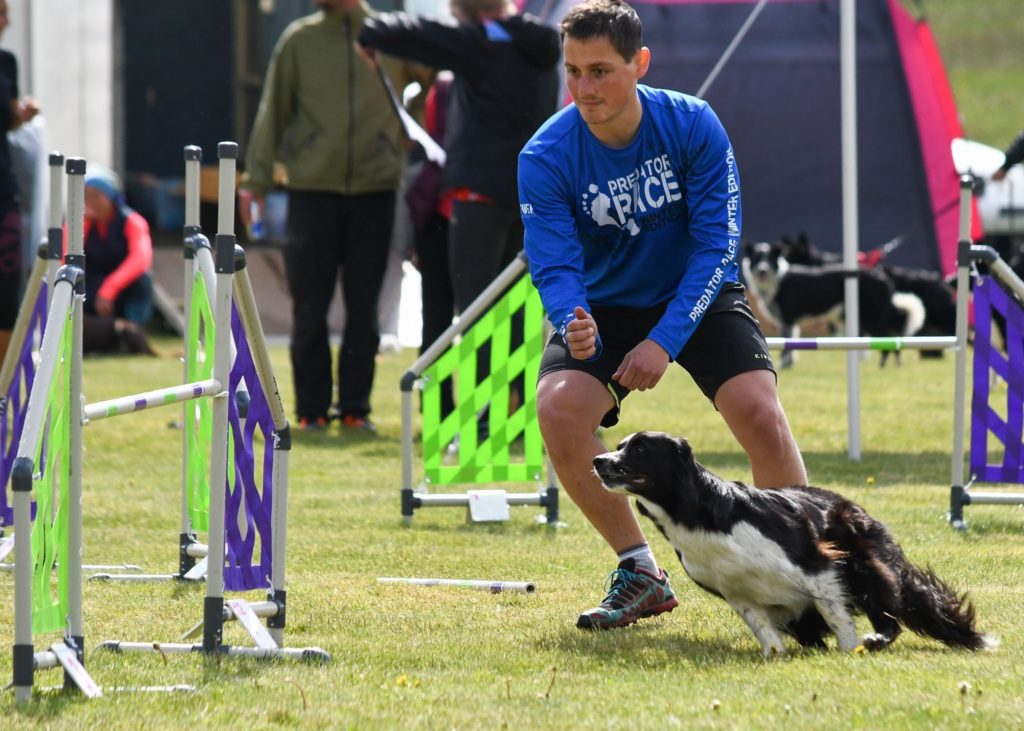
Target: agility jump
x=455, y=449
x=49, y=463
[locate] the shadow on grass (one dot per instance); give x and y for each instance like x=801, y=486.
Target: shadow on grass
x=48, y=704
x=651, y=647
x=647, y=646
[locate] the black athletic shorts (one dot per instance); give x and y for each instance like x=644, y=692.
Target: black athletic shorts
x=727, y=342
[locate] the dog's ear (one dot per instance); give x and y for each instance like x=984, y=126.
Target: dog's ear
x=684, y=451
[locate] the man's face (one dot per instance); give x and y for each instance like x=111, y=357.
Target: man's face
x=4, y=20
x=602, y=83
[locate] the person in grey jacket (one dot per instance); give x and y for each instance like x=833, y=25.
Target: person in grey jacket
x=327, y=117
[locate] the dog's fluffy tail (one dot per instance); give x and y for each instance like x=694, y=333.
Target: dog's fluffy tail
x=912, y=308
x=932, y=608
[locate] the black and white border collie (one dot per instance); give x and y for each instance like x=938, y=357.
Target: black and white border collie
x=798, y=561
x=793, y=293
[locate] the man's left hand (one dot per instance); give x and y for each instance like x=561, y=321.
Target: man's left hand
x=642, y=367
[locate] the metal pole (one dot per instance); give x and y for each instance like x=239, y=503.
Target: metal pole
x=279, y=535
x=55, y=216
x=245, y=301
x=193, y=158
x=733, y=45
x=21, y=482
x=851, y=234
x=213, y=608
x=76, y=257
x=960, y=383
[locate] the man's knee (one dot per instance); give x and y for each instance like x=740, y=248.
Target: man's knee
x=568, y=409
x=760, y=413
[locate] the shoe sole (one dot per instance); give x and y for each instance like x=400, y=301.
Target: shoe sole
x=587, y=622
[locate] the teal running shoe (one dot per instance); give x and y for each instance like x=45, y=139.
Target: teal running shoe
x=632, y=594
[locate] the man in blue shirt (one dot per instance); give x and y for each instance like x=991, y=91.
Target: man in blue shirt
x=631, y=201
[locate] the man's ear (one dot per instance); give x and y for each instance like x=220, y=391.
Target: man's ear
x=643, y=62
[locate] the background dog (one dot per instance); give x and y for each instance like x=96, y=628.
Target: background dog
x=798, y=560
x=793, y=293
x=936, y=294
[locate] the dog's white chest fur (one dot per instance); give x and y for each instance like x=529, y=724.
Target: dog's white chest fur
x=743, y=566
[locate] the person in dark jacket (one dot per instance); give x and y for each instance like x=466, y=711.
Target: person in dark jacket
x=13, y=113
x=1014, y=154
x=506, y=83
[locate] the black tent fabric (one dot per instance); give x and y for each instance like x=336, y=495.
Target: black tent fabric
x=779, y=98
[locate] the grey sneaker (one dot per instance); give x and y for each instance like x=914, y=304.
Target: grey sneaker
x=632, y=594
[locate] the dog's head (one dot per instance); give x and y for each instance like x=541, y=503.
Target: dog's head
x=648, y=465
x=763, y=264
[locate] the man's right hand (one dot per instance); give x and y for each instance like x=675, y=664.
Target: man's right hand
x=581, y=335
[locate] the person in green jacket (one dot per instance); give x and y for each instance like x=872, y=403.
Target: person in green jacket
x=326, y=116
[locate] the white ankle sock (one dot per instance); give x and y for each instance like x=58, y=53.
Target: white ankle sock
x=642, y=557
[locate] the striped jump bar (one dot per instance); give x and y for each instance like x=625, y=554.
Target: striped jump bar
x=839, y=343
x=159, y=397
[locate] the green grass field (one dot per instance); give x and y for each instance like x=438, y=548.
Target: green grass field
x=418, y=657
x=437, y=658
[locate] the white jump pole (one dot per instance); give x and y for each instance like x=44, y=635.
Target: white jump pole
x=960, y=384
x=193, y=159
x=213, y=607
x=76, y=257
x=54, y=224
x=851, y=233
x=495, y=587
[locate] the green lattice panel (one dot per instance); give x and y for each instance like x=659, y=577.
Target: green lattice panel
x=199, y=420
x=50, y=528
x=491, y=460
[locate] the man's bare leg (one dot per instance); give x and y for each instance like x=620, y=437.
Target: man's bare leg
x=749, y=403
x=570, y=406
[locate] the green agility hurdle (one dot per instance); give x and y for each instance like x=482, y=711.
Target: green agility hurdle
x=49, y=463
x=473, y=444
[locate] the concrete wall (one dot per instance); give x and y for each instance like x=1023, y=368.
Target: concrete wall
x=65, y=51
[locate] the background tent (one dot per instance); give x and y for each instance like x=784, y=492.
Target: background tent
x=779, y=98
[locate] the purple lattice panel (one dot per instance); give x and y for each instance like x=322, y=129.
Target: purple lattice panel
x=990, y=298
x=14, y=405
x=248, y=496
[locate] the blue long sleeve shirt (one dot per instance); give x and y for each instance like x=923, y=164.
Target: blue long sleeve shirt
x=656, y=221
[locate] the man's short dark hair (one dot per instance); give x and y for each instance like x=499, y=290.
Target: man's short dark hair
x=613, y=19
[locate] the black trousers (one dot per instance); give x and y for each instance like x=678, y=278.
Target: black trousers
x=483, y=239
x=333, y=236
x=10, y=263
x=438, y=298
